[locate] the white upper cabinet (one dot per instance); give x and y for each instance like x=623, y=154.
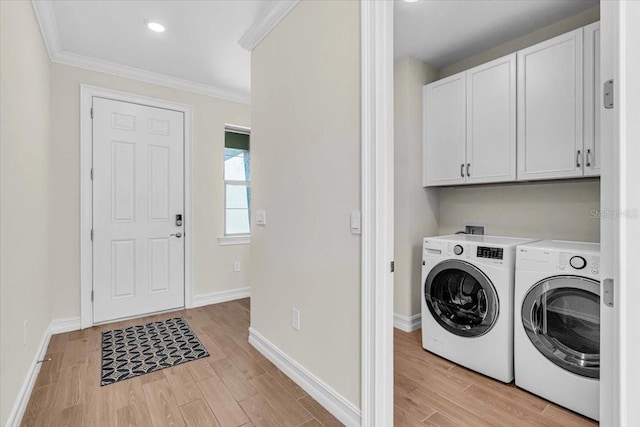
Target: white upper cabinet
x=444, y=131
x=592, y=100
x=491, y=122
x=531, y=115
x=470, y=126
x=550, y=104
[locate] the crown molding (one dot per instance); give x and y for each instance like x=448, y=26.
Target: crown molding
x=48, y=27
x=267, y=21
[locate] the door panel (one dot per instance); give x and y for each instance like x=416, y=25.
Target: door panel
x=158, y=183
x=550, y=94
x=123, y=180
x=123, y=268
x=592, y=100
x=491, y=121
x=138, y=186
x=444, y=131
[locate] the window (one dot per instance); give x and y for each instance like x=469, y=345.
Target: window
x=237, y=177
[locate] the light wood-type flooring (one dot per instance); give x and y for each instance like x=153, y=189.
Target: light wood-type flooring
x=432, y=391
x=237, y=386
x=234, y=386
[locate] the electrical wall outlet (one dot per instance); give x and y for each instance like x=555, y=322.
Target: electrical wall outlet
x=295, y=318
x=236, y=266
x=474, y=229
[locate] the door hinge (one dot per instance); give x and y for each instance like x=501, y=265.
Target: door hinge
x=607, y=96
x=92, y=234
x=91, y=112
x=91, y=174
x=91, y=295
x=393, y=266
x=607, y=287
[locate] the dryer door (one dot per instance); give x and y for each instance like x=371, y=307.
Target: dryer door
x=461, y=298
x=561, y=316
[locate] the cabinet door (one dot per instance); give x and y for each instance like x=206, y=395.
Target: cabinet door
x=592, y=99
x=444, y=131
x=550, y=96
x=491, y=121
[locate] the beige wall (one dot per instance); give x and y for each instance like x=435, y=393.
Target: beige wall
x=212, y=264
x=306, y=170
x=540, y=35
x=416, y=207
x=24, y=198
x=552, y=210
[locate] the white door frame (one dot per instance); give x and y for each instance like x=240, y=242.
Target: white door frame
x=628, y=92
x=620, y=388
x=377, y=212
x=86, y=195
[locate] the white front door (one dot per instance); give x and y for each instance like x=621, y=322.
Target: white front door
x=138, y=189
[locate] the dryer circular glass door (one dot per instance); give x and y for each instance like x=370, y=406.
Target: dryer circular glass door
x=561, y=316
x=461, y=298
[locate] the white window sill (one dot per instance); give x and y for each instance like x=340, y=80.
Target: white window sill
x=234, y=240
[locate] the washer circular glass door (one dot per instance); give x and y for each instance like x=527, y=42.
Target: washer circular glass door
x=561, y=316
x=461, y=298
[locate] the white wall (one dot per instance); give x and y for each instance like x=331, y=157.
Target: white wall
x=416, y=207
x=213, y=264
x=24, y=197
x=546, y=210
x=306, y=175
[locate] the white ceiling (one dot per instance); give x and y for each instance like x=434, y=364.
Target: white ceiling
x=446, y=31
x=200, y=43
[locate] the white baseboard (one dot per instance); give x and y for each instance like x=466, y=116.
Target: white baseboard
x=20, y=405
x=406, y=323
x=333, y=402
x=59, y=326
x=222, y=296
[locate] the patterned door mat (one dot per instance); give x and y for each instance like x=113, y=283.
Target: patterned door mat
x=142, y=349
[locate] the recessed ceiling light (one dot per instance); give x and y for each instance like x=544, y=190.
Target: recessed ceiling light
x=411, y=1
x=154, y=26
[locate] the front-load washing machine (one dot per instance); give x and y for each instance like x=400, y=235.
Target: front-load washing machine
x=557, y=323
x=467, y=301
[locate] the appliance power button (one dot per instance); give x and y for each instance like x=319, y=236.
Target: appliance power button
x=578, y=262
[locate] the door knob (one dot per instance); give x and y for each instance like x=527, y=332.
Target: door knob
x=178, y=235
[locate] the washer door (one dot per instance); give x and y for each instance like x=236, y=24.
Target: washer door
x=461, y=298
x=561, y=316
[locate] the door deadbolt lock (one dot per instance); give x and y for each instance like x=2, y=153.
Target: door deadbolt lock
x=178, y=234
x=179, y=220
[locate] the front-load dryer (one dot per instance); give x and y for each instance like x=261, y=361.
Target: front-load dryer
x=557, y=323
x=467, y=301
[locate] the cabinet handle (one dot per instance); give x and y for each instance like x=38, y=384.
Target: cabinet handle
x=578, y=159
x=589, y=157
x=462, y=170
x=468, y=166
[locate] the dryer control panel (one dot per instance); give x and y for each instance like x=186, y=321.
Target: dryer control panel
x=583, y=263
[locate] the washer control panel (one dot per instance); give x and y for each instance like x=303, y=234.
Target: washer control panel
x=458, y=249
x=489, y=252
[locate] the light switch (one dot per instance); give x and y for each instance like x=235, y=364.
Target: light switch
x=261, y=217
x=356, y=223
